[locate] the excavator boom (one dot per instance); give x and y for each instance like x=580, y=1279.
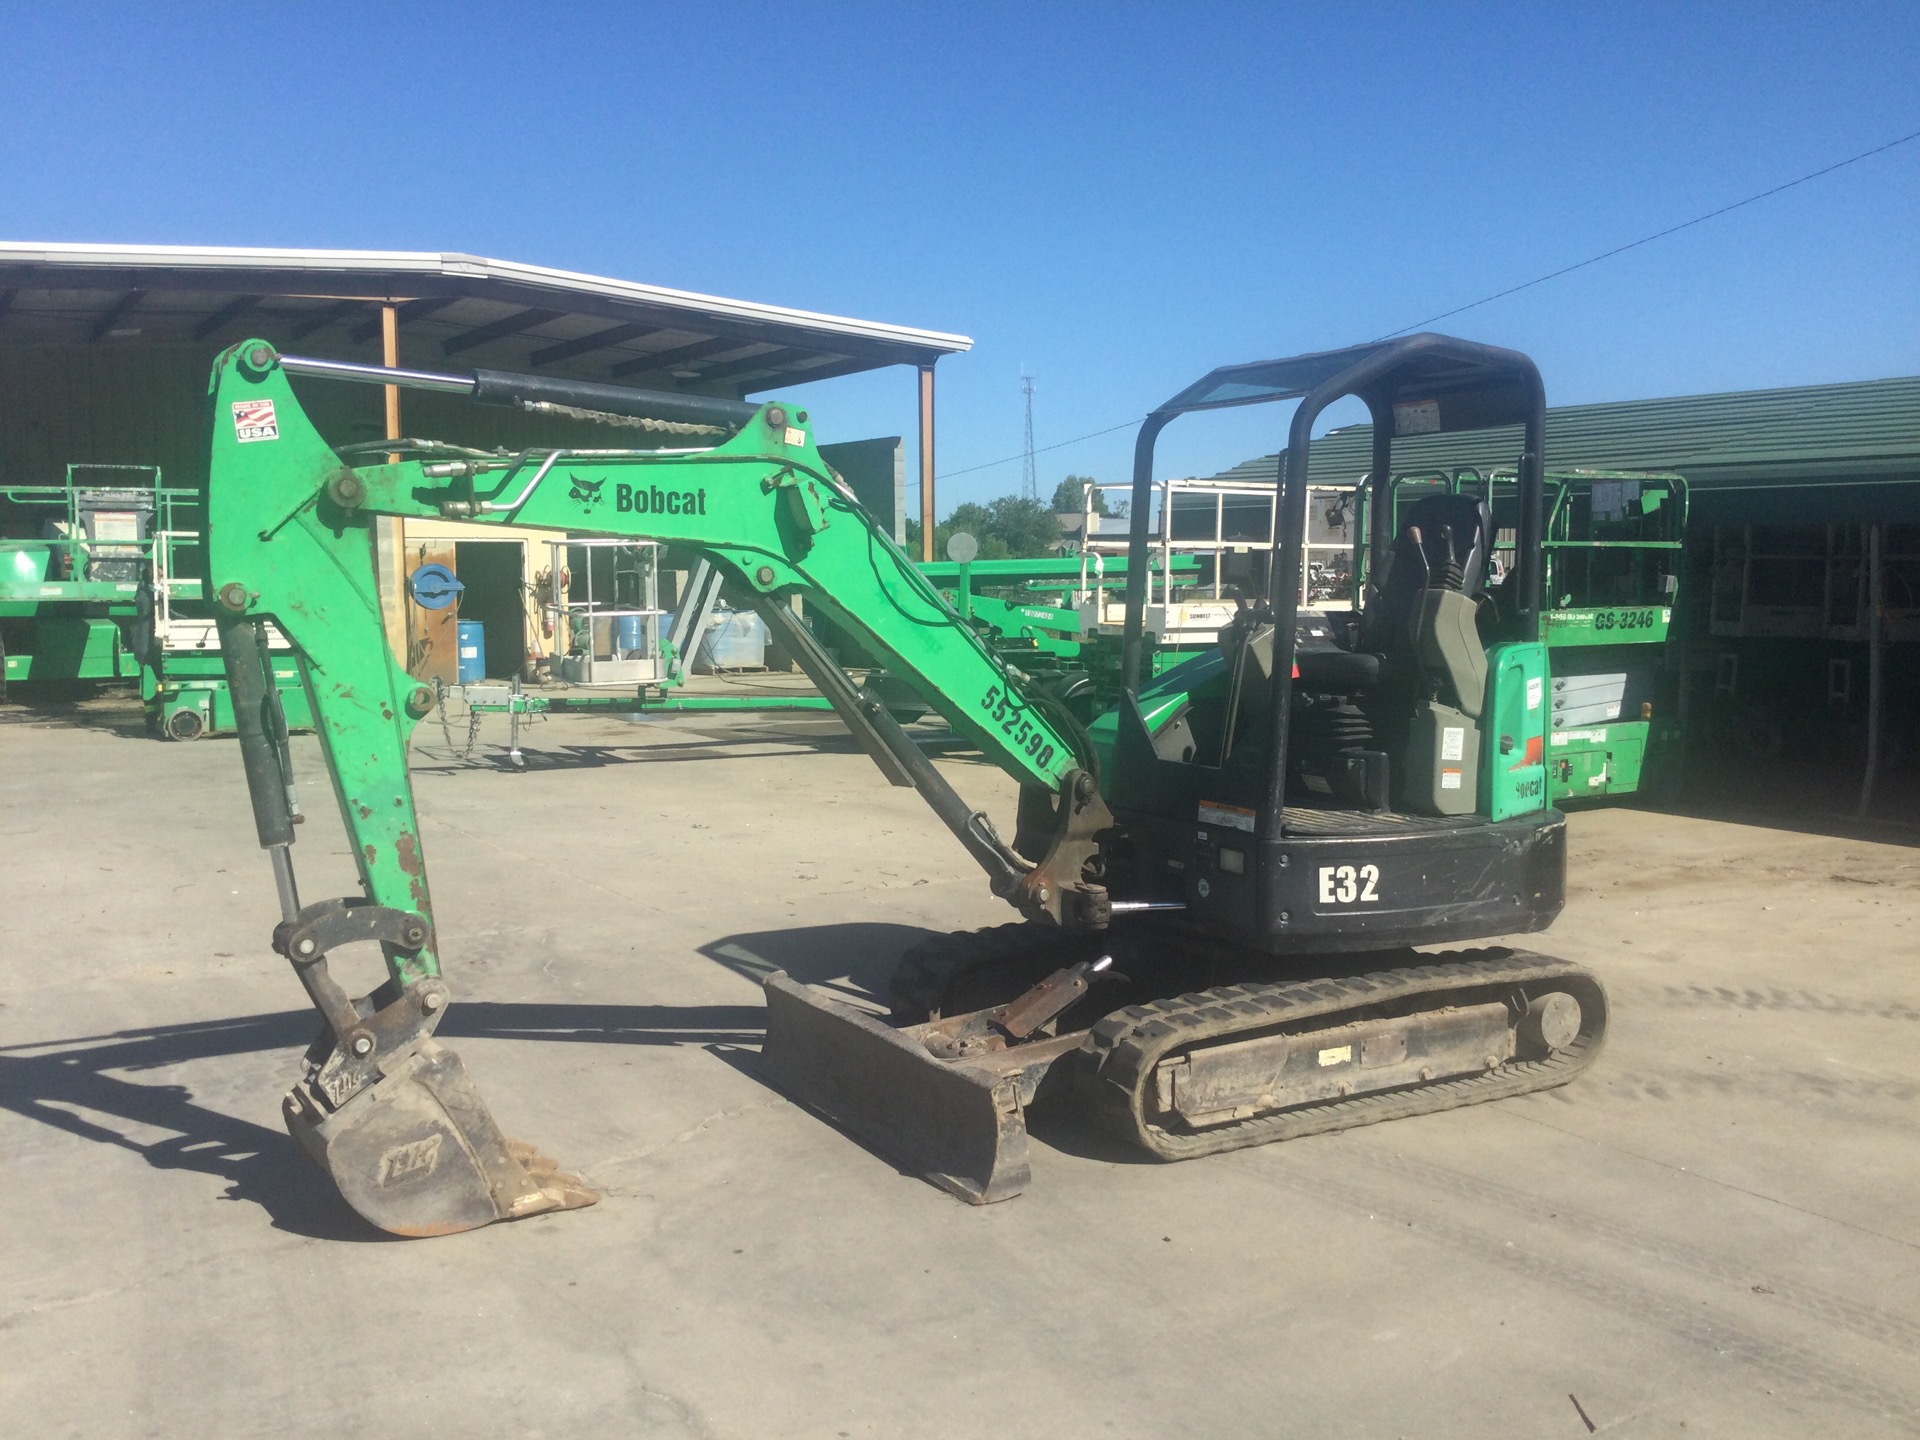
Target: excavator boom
x=391, y=1115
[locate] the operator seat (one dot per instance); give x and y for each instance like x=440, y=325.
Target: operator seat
x=1443, y=545
x=1422, y=621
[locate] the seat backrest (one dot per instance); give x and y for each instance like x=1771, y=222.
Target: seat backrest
x=1447, y=642
x=1456, y=533
x=1443, y=544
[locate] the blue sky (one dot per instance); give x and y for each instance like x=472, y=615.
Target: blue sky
x=1117, y=198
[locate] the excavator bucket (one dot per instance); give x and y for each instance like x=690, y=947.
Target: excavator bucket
x=417, y=1152
x=959, y=1122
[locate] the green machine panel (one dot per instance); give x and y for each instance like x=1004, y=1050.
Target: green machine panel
x=1513, y=769
x=1596, y=760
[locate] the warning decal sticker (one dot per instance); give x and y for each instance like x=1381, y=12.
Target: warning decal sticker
x=1416, y=417
x=254, y=420
x=1238, y=816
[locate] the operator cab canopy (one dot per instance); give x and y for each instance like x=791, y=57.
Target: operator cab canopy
x=1417, y=385
x=1424, y=383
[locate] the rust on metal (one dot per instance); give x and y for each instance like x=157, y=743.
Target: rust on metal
x=407, y=851
x=1020, y=1017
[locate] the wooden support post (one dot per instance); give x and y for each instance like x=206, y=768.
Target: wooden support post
x=926, y=461
x=389, y=536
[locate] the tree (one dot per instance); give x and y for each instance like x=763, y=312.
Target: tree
x=1025, y=527
x=1008, y=528
x=1069, y=498
x=975, y=520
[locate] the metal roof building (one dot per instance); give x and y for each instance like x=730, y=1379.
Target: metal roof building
x=105, y=352
x=1809, y=453
x=450, y=307
x=104, y=349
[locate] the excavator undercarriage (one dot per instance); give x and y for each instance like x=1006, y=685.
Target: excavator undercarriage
x=1195, y=1072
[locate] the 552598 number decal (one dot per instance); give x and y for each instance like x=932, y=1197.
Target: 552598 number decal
x=1006, y=712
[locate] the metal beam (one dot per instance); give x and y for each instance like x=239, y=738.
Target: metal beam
x=407, y=311
x=926, y=462
x=683, y=355
x=320, y=319
x=598, y=340
x=829, y=371
x=499, y=330
x=226, y=315
x=772, y=360
x=115, y=313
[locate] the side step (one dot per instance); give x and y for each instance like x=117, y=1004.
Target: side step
x=960, y=1122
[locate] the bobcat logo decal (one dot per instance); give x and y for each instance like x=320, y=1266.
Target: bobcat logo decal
x=587, y=492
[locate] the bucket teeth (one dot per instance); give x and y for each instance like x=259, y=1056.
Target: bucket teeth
x=418, y=1153
x=564, y=1189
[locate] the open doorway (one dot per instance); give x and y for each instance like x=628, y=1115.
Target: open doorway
x=494, y=574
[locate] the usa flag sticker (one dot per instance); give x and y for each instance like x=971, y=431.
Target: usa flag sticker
x=254, y=420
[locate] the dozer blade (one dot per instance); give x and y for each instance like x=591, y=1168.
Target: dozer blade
x=960, y=1123
x=417, y=1153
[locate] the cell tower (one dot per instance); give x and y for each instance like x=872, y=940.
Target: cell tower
x=1029, y=483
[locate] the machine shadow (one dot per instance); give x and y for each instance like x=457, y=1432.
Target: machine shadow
x=1823, y=812
x=855, y=960
x=107, y=715
x=67, y=1086
x=79, y=1085
x=72, y=1085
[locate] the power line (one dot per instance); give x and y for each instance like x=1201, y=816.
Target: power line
x=1041, y=449
x=1649, y=239
x=1516, y=289
x=1029, y=485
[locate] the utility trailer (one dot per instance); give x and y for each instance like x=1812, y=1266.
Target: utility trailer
x=99, y=583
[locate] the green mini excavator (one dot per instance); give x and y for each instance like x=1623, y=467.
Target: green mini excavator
x=1220, y=884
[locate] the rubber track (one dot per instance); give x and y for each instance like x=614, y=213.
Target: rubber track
x=1125, y=1047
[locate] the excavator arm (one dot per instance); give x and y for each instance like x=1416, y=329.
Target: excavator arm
x=390, y=1114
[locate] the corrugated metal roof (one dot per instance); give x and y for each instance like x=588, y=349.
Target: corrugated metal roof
x=498, y=313
x=1842, y=452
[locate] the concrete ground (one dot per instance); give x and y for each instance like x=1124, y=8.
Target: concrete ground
x=1713, y=1233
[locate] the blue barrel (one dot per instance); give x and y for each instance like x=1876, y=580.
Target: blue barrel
x=472, y=642
x=630, y=636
